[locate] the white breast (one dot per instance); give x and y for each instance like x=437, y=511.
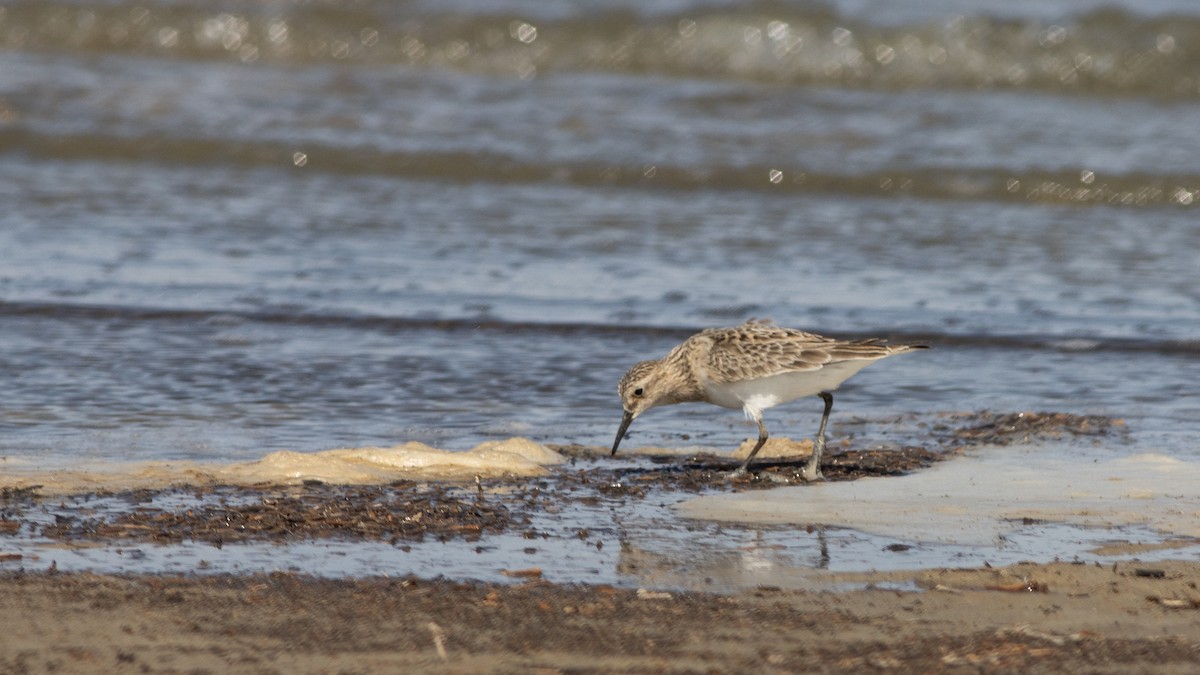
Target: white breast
x=767, y=392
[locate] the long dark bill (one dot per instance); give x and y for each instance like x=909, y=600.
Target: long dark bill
x=625, y=422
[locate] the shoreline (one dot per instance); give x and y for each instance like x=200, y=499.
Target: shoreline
x=663, y=607
x=667, y=521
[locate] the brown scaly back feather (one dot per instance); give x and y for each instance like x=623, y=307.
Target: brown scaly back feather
x=759, y=349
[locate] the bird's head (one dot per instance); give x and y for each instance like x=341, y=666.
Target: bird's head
x=641, y=389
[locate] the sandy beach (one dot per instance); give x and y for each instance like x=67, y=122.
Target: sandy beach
x=1026, y=618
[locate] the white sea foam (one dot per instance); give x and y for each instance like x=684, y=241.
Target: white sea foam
x=511, y=457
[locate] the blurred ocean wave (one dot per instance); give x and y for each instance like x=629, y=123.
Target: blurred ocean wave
x=1105, y=52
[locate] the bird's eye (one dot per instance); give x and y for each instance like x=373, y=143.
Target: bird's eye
x=639, y=392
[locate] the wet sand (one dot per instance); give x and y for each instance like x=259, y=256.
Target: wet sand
x=1026, y=618
x=1132, y=616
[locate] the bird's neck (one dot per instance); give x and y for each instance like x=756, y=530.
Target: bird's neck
x=688, y=388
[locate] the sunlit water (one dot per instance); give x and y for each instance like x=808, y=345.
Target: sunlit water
x=229, y=230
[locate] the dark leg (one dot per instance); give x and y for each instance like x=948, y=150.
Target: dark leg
x=762, y=439
x=812, y=470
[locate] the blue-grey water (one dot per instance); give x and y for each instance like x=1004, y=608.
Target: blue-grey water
x=234, y=227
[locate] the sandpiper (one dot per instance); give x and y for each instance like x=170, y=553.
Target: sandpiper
x=754, y=366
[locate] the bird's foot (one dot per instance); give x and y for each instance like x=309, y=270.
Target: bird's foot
x=811, y=474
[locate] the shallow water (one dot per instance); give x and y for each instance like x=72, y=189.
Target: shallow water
x=240, y=228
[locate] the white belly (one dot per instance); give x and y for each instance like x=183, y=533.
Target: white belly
x=767, y=392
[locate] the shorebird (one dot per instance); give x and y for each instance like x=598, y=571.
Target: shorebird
x=754, y=366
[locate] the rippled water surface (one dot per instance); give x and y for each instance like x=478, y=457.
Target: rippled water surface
x=237, y=227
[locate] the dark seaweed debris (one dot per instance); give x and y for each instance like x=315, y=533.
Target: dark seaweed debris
x=19, y=494
x=712, y=472
x=391, y=513
x=988, y=428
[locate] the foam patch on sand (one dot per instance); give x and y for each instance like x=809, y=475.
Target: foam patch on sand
x=343, y=466
x=980, y=497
